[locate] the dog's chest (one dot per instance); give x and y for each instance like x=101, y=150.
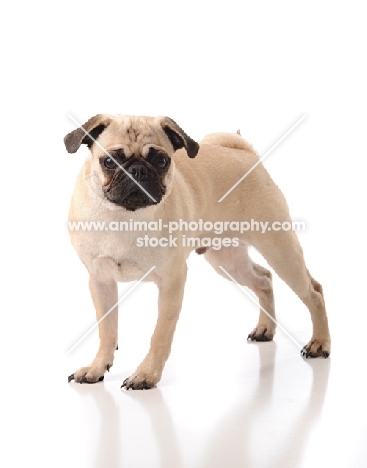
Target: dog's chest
x=117, y=256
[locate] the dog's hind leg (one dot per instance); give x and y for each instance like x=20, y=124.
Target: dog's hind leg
x=284, y=254
x=236, y=261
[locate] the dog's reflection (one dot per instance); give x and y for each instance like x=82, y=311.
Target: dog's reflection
x=114, y=448
x=107, y=452
x=241, y=438
x=162, y=426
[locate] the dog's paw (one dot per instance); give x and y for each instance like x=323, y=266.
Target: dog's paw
x=91, y=374
x=316, y=348
x=139, y=381
x=261, y=333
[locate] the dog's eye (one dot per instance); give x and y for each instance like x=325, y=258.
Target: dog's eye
x=161, y=161
x=109, y=163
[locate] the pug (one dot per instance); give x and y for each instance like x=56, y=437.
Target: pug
x=148, y=170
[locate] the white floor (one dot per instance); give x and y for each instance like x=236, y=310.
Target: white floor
x=222, y=402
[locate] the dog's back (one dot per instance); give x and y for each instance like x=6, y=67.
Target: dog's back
x=227, y=140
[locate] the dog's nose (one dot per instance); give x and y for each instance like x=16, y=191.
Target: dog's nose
x=138, y=171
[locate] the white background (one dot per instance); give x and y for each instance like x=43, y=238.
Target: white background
x=211, y=67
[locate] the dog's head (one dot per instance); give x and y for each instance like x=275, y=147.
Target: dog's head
x=132, y=156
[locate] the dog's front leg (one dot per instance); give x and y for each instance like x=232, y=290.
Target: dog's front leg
x=171, y=289
x=104, y=295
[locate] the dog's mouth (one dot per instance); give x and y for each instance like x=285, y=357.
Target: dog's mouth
x=137, y=198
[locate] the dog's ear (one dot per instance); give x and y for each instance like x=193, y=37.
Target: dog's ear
x=82, y=135
x=178, y=137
